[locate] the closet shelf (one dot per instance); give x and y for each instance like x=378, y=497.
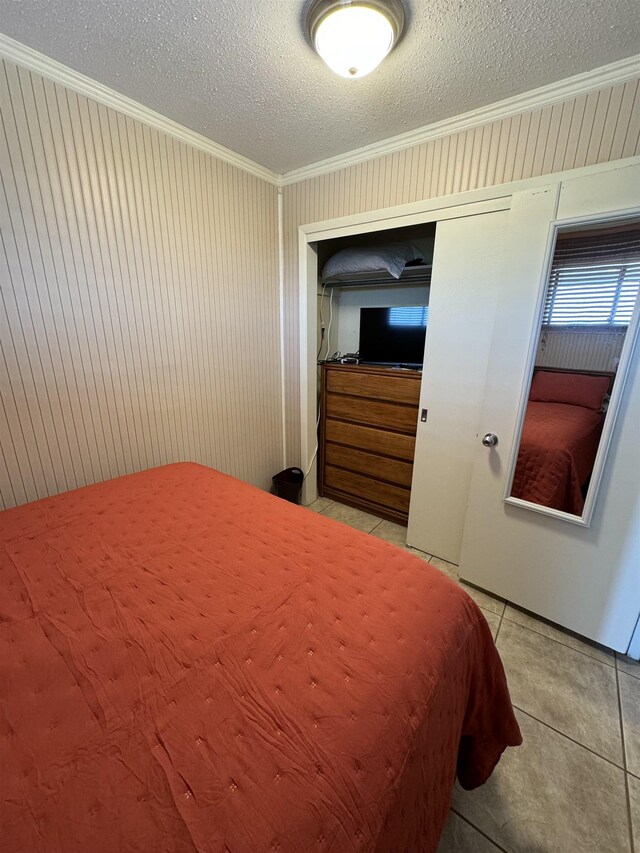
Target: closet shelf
x=416, y=274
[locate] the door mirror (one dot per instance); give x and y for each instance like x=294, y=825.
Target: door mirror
x=585, y=337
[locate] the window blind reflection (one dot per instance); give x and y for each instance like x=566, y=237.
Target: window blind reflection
x=408, y=316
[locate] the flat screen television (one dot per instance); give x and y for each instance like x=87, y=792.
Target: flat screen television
x=393, y=336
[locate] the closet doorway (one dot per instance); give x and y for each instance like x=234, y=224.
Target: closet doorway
x=373, y=303
x=315, y=246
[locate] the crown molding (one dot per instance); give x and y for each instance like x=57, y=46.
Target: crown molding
x=606, y=75
x=31, y=59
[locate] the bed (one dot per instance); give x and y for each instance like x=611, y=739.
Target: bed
x=190, y=664
x=560, y=436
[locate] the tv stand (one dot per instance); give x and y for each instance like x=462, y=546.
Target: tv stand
x=368, y=421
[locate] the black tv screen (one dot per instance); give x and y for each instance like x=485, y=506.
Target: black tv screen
x=393, y=335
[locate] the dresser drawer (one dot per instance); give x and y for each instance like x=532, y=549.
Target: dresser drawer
x=371, y=439
x=379, y=467
x=397, y=388
x=374, y=491
x=364, y=411
x=369, y=422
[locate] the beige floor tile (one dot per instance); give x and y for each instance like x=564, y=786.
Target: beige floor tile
x=631, y=667
x=484, y=599
x=421, y=554
x=556, y=633
x=390, y=532
x=416, y=553
x=493, y=619
x=550, y=795
x=630, y=702
x=634, y=802
x=449, y=569
x=353, y=517
x=396, y=534
x=319, y=504
x=459, y=837
x=564, y=688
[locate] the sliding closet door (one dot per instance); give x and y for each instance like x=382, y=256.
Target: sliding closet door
x=467, y=260
x=586, y=578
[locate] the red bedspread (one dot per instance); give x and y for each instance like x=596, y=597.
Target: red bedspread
x=190, y=664
x=557, y=451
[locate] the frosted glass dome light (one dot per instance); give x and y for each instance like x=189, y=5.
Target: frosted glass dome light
x=354, y=37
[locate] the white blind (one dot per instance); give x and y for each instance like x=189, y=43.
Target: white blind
x=594, y=279
x=414, y=315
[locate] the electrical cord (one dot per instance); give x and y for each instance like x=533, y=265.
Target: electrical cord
x=322, y=330
x=315, y=452
x=330, y=321
x=319, y=361
x=335, y=356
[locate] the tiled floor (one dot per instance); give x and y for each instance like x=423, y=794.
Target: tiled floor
x=574, y=784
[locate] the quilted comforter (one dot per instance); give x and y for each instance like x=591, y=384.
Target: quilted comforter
x=190, y=664
x=557, y=450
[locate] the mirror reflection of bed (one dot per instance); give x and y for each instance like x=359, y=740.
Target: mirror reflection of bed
x=589, y=302
x=560, y=438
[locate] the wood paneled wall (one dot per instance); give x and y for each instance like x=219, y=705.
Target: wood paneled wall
x=581, y=349
x=139, y=314
x=139, y=319
x=601, y=126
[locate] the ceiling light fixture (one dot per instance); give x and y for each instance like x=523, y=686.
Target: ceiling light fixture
x=354, y=36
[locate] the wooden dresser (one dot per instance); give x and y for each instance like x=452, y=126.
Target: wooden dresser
x=368, y=425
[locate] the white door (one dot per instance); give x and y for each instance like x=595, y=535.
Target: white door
x=469, y=258
x=584, y=578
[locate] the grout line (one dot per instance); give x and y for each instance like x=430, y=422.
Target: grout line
x=624, y=763
x=480, y=831
x=623, y=671
x=560, y=643
x=428, y=556
x=502, y=617
x=572, y=739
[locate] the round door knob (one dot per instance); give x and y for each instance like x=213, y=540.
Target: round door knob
x=490, y=440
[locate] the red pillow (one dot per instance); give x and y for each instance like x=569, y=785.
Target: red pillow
x=576, y=389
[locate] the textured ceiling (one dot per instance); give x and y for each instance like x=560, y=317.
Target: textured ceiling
x=241, y=72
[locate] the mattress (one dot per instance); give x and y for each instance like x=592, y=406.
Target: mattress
x=190, y=664
x=557, y=450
